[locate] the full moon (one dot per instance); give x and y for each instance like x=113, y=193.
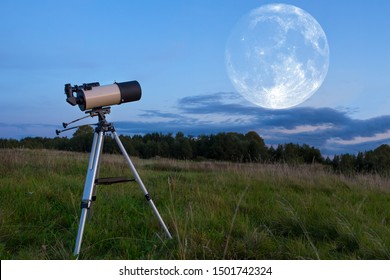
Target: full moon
x=277, y=56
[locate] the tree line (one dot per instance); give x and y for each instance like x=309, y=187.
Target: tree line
x=231, y=146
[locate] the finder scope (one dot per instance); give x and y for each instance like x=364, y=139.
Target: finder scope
x=93, y=95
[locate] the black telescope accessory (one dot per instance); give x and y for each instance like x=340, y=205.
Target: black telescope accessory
x=93, y=95
x=69, y=90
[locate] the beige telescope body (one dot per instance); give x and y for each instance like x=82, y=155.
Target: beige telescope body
x=102, y=96
x=90, y=96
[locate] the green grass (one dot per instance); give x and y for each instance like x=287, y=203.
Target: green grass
x=214, y=210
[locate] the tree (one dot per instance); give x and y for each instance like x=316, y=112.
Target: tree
x=128, y=145
x=257, y=150
x=182, y=147
x=83, y=130
x=292, y=153
x=82, y=139
x=311, y=154
x=347, y=163
x=378, y=160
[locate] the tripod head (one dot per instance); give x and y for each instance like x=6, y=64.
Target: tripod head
x=100, y=112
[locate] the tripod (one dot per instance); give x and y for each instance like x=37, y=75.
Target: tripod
x=89, y=194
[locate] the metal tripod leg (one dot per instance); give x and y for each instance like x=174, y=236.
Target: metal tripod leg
x=141, y=184
x=89, y=186
x=94, y=190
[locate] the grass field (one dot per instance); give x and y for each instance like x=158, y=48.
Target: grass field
x=214, y=210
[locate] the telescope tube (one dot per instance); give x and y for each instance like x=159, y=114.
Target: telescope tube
x=100, y=96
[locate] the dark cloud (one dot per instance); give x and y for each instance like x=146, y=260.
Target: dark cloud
x=331, y=130
x=227, y=103
x=10, y=130
x=157, y=113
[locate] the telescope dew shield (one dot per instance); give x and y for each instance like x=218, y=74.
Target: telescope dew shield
x=100, y=96
x=130, y=91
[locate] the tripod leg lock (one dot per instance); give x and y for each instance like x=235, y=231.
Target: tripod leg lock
x=147, y=196
x=86, y=204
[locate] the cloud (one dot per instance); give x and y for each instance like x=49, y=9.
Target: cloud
x=9, y=130
x=333, y=131
x=158, y=114
x=360, y=139
x=302, y=129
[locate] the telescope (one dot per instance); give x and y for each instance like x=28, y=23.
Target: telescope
x=97, y=99
x=93, y=95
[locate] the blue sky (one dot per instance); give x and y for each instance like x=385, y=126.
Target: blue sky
x=175, y=49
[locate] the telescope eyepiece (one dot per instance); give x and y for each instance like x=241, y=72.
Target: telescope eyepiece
x=69, y=95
